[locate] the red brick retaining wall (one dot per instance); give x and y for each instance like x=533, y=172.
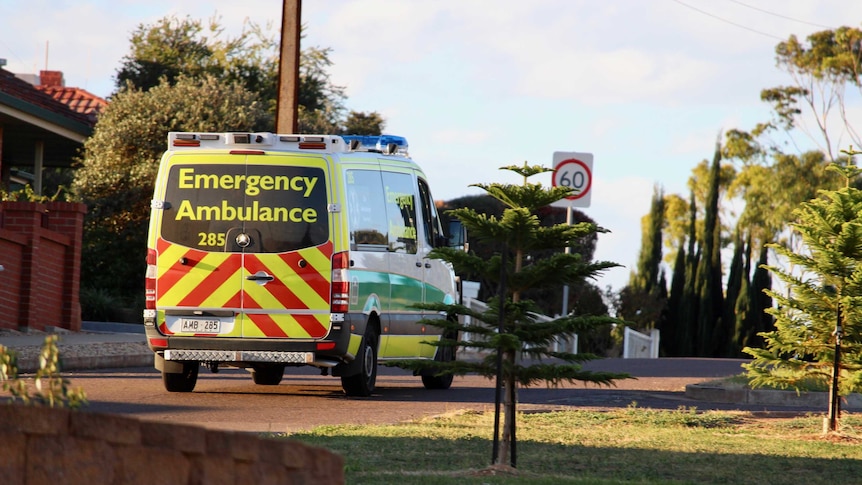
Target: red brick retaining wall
x=40, y=251
x=44, y=446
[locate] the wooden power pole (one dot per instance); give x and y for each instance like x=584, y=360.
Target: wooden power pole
x=288, y=67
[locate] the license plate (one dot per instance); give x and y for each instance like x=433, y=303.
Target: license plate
x=196, y=325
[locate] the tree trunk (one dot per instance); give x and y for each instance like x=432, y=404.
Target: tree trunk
x=509, y=395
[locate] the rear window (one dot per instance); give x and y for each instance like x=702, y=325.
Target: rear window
x=280, y=208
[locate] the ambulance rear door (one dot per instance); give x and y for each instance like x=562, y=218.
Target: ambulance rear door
x=245, y=246
x=286, y=240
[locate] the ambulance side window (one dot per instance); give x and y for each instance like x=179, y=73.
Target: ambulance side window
x=366, y=210
x=401, y=211
x=430, y=221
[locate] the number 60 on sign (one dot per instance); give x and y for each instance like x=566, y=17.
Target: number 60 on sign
x=574, y=170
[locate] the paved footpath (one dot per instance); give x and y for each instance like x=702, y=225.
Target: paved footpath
x=98, y=346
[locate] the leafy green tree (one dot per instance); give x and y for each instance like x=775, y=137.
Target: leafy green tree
x=676, y=216
x=508, y=330
x=173, y=47
x=119, y=163
x=358, y=123
x=825, y=291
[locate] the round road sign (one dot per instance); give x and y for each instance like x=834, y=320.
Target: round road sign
x=575, y=174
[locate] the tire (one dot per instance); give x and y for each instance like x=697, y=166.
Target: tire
x=267, y=375
x=182, y=381
x=362, y=384
x=431, y=381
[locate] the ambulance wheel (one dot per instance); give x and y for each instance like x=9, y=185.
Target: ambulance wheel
x=267, y=375
x=182, y=381
x=430, y=381
x=362, y=384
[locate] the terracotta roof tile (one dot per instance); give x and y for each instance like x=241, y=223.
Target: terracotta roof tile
x=79, y=100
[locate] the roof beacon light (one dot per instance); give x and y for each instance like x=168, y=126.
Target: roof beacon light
x=386, y=144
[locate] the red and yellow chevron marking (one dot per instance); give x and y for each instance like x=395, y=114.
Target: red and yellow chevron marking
x=208, y=280
x=285, y=325
x=217, y=280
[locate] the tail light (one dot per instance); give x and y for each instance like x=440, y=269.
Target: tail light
x=340, y=293
x=150, y=281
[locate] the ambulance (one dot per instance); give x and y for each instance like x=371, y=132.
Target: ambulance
x=267, y=251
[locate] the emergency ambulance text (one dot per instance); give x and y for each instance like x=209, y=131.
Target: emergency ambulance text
x=253, y=184
x=254, y=213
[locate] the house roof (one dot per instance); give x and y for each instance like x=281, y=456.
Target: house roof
x=22, y=96
x=30, y=118
x=79, y=100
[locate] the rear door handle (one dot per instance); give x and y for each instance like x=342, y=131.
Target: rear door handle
x=261, y=277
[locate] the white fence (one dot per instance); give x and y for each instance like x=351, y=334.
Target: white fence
x=637, y=345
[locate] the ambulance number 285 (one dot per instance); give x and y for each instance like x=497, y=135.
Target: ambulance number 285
x=211, y=239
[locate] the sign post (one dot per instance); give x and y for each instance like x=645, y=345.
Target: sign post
x=574, y=170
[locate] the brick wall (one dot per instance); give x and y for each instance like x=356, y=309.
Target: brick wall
x=40, y=251
x=47, y=446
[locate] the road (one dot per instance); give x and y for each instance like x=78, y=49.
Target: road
x=229, y=400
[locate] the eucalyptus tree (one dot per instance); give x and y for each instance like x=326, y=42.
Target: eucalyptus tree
x=822, y=68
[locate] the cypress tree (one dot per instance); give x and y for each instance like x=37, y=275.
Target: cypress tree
x=688, y=304
x=761, y=301
x=709, y=286
x=649, y=260
x=725, y=335
x=742, y=307
x=671, y=327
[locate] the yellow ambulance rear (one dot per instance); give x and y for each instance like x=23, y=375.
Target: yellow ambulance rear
x=267, y=251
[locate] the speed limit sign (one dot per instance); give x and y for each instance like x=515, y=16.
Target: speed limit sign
x=573, y=170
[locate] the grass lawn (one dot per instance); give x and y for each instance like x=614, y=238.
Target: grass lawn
x=632, y=445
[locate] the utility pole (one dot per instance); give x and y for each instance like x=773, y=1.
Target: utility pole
x=288, y=67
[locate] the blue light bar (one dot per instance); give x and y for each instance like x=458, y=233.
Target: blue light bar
x=379, y=143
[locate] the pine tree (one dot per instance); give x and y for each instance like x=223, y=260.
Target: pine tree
x=510, y=331
x=821, y=310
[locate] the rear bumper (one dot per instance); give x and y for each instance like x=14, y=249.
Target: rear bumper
x=327, y=352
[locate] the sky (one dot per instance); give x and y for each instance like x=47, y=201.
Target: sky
x=645, y=86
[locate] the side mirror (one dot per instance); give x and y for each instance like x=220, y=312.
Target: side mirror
x=457, y=235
